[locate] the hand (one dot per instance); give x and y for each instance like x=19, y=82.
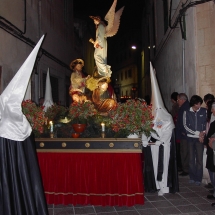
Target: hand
x=201, y=136
x=96, y=44
x=201, y=140
x=88, y=77
x=210, y=142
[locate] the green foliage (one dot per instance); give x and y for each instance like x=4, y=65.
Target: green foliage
x=56, y=112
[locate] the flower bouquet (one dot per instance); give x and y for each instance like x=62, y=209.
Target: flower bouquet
x=132, y=117
x=80, y=112
x=56, y=112
x=34, y=115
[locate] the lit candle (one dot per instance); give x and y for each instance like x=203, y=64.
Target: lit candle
x=103, y=126
x=51, y=126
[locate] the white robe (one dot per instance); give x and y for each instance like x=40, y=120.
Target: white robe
x=162, y=185
x=100, y=54
x=163, y=125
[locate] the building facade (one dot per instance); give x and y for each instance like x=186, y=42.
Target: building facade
x=22, y=24
x=183, y=33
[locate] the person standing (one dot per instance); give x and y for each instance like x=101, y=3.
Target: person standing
x=208, y=97
x=208, y=100
x=181, y=135
x=174, y=113
x=195, y=120
x=175, y=106
x=209, y=161
x=159, y=149
x=21, y=186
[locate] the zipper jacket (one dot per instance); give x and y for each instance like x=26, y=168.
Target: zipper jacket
x=195, y=122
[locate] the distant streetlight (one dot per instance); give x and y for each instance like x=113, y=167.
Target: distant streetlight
x=133, y=47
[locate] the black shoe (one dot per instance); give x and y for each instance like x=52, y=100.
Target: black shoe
x=183, y=174
x=209, y=186
x=211, y=191
x=210, y=197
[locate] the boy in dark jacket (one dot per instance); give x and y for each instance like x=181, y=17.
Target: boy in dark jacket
x=194, y=121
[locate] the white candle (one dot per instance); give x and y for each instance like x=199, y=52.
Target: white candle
x=51, y=126
x=103, y=126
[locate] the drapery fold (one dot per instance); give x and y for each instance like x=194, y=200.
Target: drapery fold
x=92, y=178
x=21, y=190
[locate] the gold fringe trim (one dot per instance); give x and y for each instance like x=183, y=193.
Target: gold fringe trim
x=93, y=194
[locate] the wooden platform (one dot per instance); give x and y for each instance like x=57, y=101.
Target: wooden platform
x=112, y=145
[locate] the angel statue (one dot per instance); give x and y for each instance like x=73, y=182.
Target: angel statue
x=102, y=32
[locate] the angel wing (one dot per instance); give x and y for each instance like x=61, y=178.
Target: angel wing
x=113, y=20
x=110, y=15
x=112, y=31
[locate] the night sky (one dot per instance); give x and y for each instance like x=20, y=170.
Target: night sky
x=130, y=18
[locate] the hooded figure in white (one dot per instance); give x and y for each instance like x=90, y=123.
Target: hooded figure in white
x=21, y=190
x=48, y=101
x=163, y=125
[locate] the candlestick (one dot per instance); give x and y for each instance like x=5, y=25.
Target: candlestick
x=103, y=126
x=103, y=134
x=51, y=126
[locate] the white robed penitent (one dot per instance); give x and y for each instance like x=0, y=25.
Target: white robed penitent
x=48, y=101
x=163, y=125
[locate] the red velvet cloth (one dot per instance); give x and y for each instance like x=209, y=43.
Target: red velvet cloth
x=92, y=178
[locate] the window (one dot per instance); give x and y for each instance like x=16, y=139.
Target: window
x=65, y=11
x=130, y=73
x=126, y=74
x=165, y=13
x=117, y=77
x=121, y=75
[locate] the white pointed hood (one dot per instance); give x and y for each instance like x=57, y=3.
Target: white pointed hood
x=28, y=91
x=48, y=101
x=156, y=98
x=13, y=123
x=161, y=115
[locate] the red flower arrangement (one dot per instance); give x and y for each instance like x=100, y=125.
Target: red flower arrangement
x=34, y=115
x=133, y=116
x=80, y=112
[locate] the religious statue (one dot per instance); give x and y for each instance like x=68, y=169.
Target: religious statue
x=78, y=97
x=102, y=32
x=78, y=80
x=103, y=97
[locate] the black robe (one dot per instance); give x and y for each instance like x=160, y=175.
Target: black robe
x=21, y=189
x=209, y=161
x=149, y=178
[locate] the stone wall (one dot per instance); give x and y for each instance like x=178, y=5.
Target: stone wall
x=168, y=60
x=205, y=46
x=199, y=65
x=42, y=17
